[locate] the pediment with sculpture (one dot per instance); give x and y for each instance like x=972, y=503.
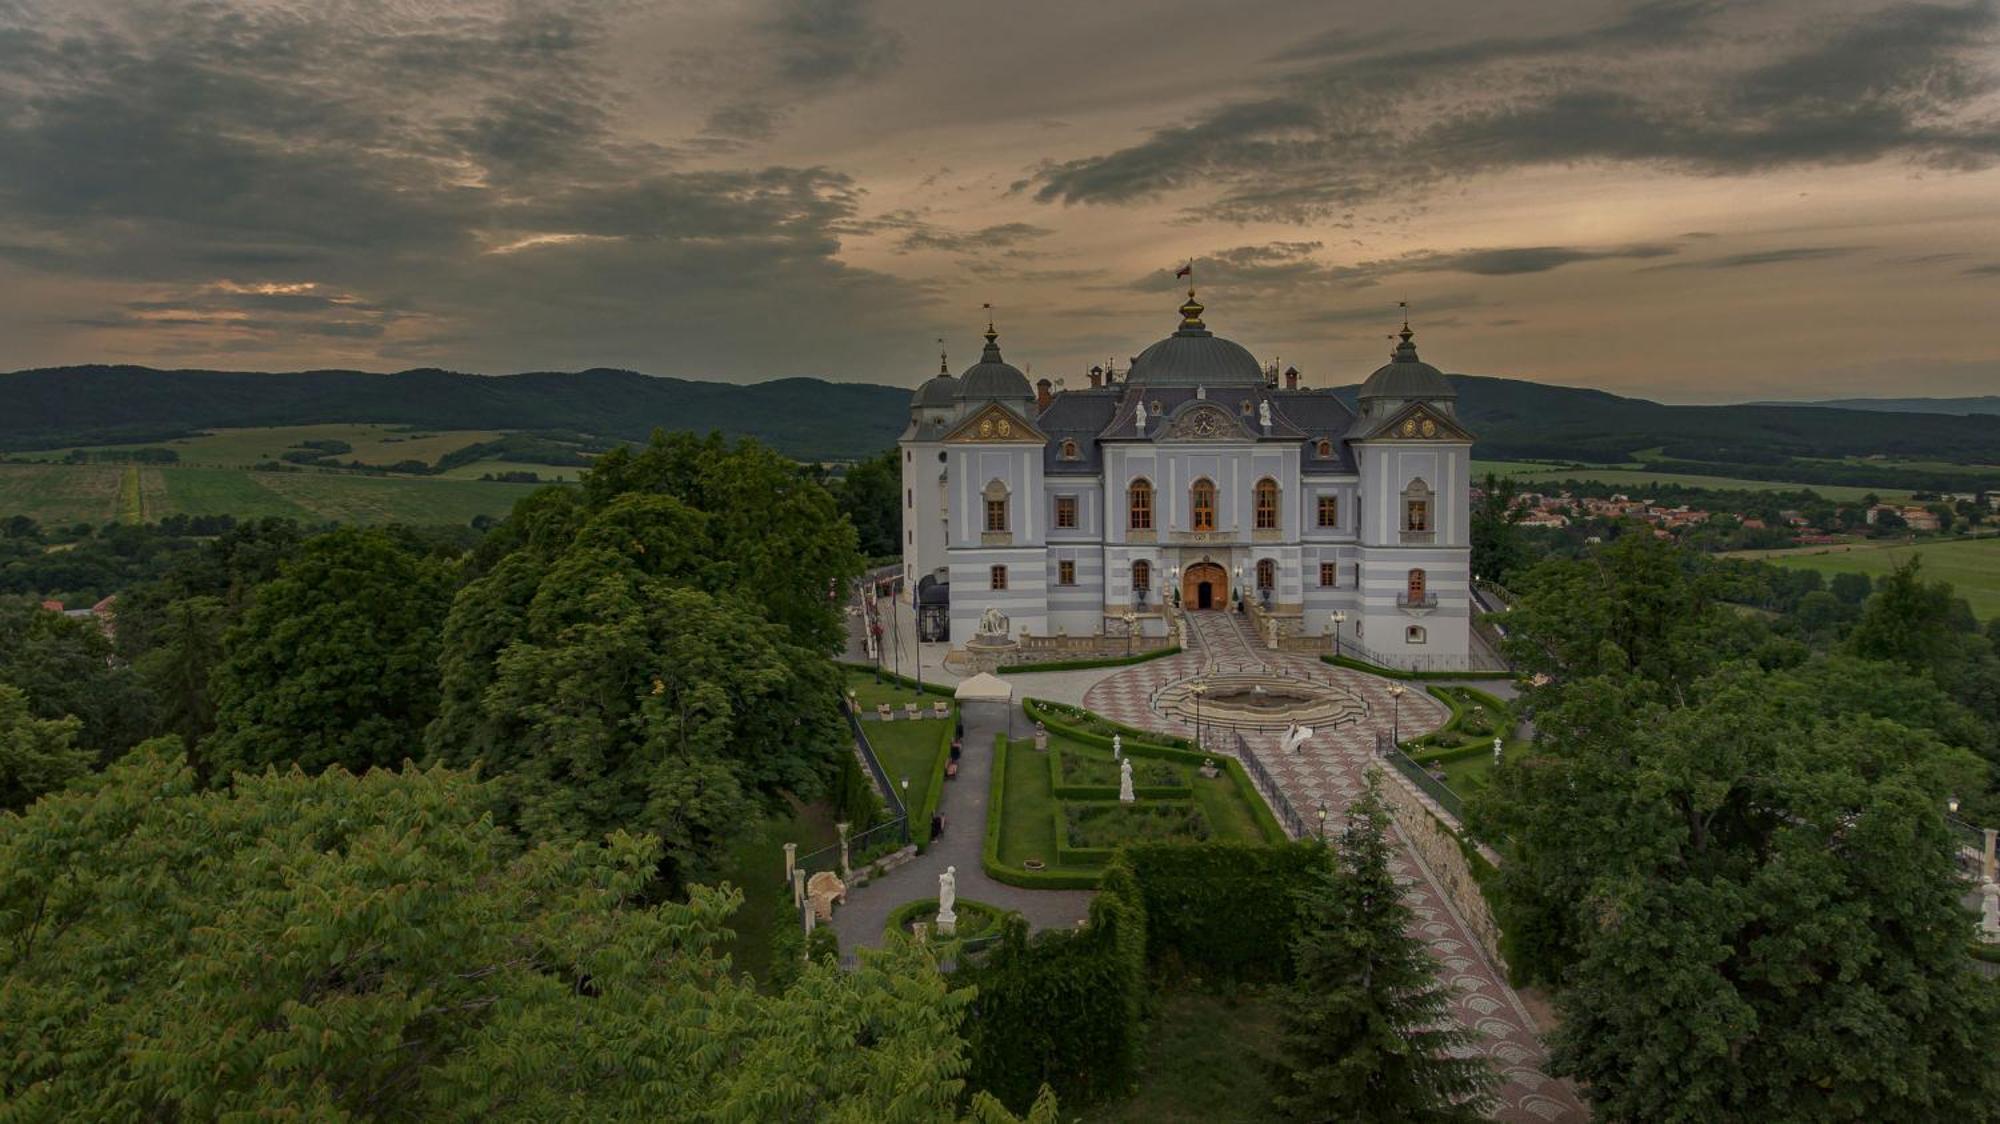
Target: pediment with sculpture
x=996, y=423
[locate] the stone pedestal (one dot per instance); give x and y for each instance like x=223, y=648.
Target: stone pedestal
x=791, y=860
x=1989, y=919
x=1041, y=738
x=846, y=870
x=947, y=923
x=798, y=888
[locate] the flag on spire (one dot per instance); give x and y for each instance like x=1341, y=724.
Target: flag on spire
x=1185, y=271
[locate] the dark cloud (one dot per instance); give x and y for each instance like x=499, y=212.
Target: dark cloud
x=1689, y=86
x=1991, y=269
x=1001, y=236
x=822, y=42
x=452, y=186
x=1764, y=257
x=1528, y=259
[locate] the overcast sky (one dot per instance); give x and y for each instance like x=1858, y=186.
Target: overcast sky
x=1686, y=200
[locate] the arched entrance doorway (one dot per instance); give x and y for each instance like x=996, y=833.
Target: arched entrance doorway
x=1205, y=585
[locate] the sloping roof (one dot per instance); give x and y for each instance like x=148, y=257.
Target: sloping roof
x=1317, y=414
x=984, y=687
x=1448, y=428
x=1079, y=416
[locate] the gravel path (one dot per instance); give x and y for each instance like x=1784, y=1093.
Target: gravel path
x=963, y=804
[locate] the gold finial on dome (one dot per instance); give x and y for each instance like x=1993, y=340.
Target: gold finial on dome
x=1191, y=311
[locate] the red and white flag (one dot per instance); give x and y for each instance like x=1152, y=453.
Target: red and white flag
x=1185, y=271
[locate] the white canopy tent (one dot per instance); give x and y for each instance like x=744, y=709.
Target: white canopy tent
x=985, y=687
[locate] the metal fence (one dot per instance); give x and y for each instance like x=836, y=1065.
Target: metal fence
x=1431, y=786
x=1279, y=802
x=1966, y=835
x=875, y=770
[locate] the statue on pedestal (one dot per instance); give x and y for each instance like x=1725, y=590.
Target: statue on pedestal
x=947, y=917
x=1117, y=747
x=1125, y=794
x=992, y=622
x=1989, y=921
x=1264, y=413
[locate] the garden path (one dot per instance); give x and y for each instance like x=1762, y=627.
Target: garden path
x=963, y=804
x=1328, y=771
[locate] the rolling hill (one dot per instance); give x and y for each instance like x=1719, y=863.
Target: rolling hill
x=1982, y=404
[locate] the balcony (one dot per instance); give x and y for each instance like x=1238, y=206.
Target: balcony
x=1421, y=602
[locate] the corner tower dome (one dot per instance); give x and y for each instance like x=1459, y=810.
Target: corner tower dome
x=1406, y=378
x=1194, y=356
x=938, y=392
x=993, y=377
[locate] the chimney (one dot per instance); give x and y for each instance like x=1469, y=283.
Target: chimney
x=1291, y=378
x=1042, y=395
x=1096, y=377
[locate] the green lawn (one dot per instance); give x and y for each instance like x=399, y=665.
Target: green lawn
x=755, y=864
x=61, y=494
x=1972, y=566
x=1206, y=1060
x=870, y=692
x=1637, y=480
x=911, y=750
x=240, y=448
x=226, y=491
x=1027, y=820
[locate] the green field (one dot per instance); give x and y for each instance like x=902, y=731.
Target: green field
x=373, y=444
x=1638, y=478
x=57, y=494
x=1972, y=566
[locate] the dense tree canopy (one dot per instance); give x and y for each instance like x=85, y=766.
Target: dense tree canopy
x=64, y=667
x=871, y=496
x=37, y=755
x=1739, y=874
x=336, y=947
x=335, y=662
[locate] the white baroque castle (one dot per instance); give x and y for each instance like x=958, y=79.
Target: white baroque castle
x=1194, y=480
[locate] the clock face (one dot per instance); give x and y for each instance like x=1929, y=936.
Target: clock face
x=1430, y=428
x=1006, y=428
x=986, y=427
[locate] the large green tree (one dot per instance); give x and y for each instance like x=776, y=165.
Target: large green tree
x=332, y=947
x=871, y=496
x=37, y=755
x=335, y=662
x=66, y=669
x=1748, y=897
x=591, y=674
x=1368, y=1032
x=1498, y=551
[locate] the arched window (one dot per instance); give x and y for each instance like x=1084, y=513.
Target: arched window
x=996, y=508
x=1068, y=449
x=1325, y=447
x=1202, y=496
x=1267, y=575
x=1416, y=585
x=1417, y=506
x=1139, y=505
x=1142, y=578
x=1267, y=504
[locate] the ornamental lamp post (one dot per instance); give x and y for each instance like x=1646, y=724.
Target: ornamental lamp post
x=1339, y=618
x=1174, y=575
x=1952, y=804
x=1322, y=822
x=1131, y=625
x=1197, y=689
x=1238, y=577
x=1396, y=714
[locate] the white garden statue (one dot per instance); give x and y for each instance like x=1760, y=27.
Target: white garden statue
x=1125, y=794
x=1296, y=737
x=1117, y=747
x=947, y=917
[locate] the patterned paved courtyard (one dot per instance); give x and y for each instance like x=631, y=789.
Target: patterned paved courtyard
x=1329, y=769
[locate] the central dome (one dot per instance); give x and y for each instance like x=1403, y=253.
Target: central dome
x=1195, y=356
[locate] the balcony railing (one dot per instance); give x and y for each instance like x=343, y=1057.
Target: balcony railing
x=1424, y=601
x=1419, y=538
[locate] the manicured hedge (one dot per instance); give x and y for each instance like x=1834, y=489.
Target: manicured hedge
x=1068, y=855
x=1062, y=1008
x=1220, y=910
x=901, y=916
x=989, y=857
x=1084, y=665
x=1107, y=792
x=1398, y=673
x=1455, y=753
x=1059, y=713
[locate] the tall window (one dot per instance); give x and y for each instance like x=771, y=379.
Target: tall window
x=1417, y=506
x=1066, y=511
x=1065, y=572
x=1416, y=585
x=999, y=576
x=1325, y=447
x=1329, y=573
x=1267, y=504
x=996, y=507
x=1329, y=511
x=1139, y=501
x=1267, y=574
x=1142, y=576
x=1203, y=495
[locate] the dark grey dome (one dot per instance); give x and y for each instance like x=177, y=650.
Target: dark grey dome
x=992, y=376
x=1194, y=356
x=1406, y=376
x=939, y=391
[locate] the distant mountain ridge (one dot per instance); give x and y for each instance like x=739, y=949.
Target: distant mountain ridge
x=804, y=417
x=1980, y=404
x=817, y=420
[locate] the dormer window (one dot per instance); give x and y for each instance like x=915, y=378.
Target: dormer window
x=1325, y=448
x=1068, y=449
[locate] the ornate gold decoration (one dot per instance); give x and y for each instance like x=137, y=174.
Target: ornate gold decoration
x=1409, y=427
x=1205, y=422
x=1006, y=428
x=1430, y=428
x=985, y=427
